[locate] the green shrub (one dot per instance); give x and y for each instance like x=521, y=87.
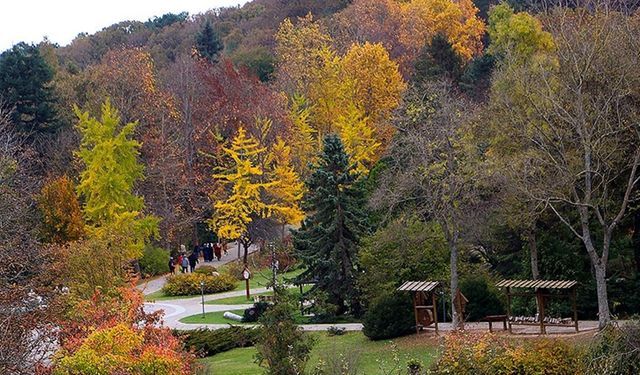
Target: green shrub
x=206, y=270
x=187, y=284
x=487, y=354
x=154, y=261
x=253, y=313
x=616, y=350
x=207, y=342
x=283, y=347
x=389, y=316
x=484, y=298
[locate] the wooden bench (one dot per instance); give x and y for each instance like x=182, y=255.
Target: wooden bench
x=495, y=318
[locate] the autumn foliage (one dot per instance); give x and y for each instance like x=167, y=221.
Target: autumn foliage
x=113, y=335
x=61, y=214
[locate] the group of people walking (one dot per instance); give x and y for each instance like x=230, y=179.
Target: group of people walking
x=188, y=263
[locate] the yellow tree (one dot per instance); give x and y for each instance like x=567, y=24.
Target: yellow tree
x=457, y=20
x=378, y=85
x=244, y=199
x=287, y=190
x=303, y=138
x=297, y=49
x=358, y=137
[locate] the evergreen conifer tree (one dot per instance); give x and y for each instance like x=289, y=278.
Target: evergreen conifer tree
x=327, y=242
x=25, y=86
x=208, y=43
x=438, y=59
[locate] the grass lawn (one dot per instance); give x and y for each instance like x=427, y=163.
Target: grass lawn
x=212, y=318
x=259, y=280
x=242, y=300
x=369, y=355
x=217, y=318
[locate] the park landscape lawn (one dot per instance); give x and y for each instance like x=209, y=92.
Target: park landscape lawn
x=370, y=354
x=259, y=279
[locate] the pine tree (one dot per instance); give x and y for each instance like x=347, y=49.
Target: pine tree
x=25, y=83
x=436, y=60
x=208, y=43
x=327, y=242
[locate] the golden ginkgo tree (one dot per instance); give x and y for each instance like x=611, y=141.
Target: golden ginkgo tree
x=258, y=184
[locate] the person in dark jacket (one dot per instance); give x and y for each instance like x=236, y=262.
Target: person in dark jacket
x=193, y=260
x=172, y=265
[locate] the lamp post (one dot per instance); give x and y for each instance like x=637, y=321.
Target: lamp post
x=202, y=293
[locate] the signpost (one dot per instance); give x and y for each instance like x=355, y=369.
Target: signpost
x=246, y=275
x=202, y=292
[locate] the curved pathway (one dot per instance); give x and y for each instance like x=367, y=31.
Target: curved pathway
x=155, y=284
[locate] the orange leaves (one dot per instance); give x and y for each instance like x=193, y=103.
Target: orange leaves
x=113, y=335
x=404, y=27
x=61, y=215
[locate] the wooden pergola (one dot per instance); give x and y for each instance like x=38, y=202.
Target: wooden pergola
x=423, y=294
x=540, y=289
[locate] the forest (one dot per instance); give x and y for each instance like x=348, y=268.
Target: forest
x=364, y=143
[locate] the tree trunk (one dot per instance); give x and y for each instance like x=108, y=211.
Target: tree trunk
x=456, y=316
x=636, y=240
x=604, y=315
x=533, y=253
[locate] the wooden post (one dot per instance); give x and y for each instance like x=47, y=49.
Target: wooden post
x=509, y=308
x=433, y=307
x=415, y=310
x=575, y=308
x=540, y=300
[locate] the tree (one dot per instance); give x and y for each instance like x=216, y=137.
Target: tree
x=327, y=243
x=111, y=334
x=298, y=49
x=244, y=199
x=111, y=169
x=208, y=42
x=571, y=115
x=402, y=27
x=61, y=214
x=431, y=168
x=287, y=191
x=25, y=80
x=377, y=85
x=406, y=248
x=28, y=276
x=438, y=60
x=283, y=347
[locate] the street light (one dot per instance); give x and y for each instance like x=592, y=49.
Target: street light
x=202, y=292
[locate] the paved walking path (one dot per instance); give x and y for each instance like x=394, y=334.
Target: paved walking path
x=155, y=284
x=177, y=309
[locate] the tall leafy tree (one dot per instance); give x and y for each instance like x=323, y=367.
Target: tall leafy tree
x=208, y=42
x=432, y=170
x=244, y=198
x=327, y=242
x=61, y=214
x=25, y=83
x=111, y=170
x=288, y=189
x=571, y=119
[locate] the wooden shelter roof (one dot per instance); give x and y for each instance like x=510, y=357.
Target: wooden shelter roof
x=419, y=286
x=545, y=284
